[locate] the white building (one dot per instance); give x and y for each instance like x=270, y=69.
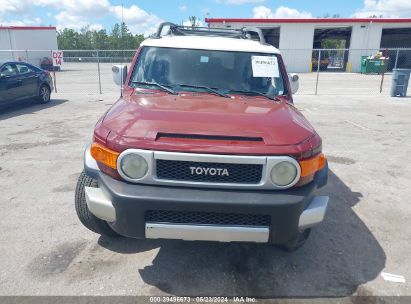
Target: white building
x=27, y=43
x=297, y=37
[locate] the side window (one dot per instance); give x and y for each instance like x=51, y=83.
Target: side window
x=8, y=70
x=23, y=69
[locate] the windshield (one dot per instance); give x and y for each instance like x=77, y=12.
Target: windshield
x=202, y=70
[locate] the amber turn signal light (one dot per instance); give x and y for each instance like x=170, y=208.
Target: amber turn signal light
x=312, y=165
x=104, y=155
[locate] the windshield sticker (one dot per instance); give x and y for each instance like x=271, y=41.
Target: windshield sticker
x=204, y=59
x=265, y=66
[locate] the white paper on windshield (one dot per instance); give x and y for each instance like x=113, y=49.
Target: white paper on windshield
x=265, y=66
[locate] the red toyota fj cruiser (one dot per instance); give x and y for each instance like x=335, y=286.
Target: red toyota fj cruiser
x=204, y=144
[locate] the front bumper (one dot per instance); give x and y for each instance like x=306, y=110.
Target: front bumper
x=125, y=205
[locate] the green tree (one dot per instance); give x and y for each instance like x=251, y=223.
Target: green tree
x=114, y=38
x=127, y=38
x=68, y=39
x=138, y=39
x=120, y=38
x=85, y=41
x=99, y=40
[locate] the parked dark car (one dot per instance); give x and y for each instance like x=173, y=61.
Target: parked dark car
x=21, y=81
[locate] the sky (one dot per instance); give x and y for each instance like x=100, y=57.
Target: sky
x=143, y=16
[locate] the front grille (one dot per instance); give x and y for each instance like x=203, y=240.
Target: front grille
x=206, y=218
x=220, y=173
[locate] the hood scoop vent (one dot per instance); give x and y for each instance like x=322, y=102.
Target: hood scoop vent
x=208, y=137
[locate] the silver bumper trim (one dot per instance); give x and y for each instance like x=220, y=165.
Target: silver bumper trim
x=90, y=164
x=314, y=213
x=99, y=204
x=207, y=233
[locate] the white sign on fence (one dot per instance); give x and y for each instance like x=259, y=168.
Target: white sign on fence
x=57, y=57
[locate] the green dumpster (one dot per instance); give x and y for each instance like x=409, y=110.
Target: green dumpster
x=363, y=64
x=375, y=66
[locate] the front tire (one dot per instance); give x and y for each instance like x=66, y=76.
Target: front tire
x=89, y=220
x=44, y=94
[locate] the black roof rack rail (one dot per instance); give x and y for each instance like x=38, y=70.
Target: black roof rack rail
x=182, y=30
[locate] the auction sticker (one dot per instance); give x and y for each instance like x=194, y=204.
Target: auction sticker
x=265, y=66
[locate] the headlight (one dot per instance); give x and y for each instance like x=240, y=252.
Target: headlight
x=283, y=173
x=134, y=166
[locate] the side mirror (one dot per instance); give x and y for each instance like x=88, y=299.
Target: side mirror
x=294, y=83
x=119, y=74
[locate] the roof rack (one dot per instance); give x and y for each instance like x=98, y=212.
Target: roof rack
x=182, y=30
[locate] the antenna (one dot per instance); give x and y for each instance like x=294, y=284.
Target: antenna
x=122, y=46
x=207, y=14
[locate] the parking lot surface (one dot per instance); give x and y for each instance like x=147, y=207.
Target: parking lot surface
x=46, y=251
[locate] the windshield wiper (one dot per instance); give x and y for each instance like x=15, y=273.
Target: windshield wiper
x=205, y=88
x=254, y=93
x=159, y=85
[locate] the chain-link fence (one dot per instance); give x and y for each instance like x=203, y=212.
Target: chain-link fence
x=82, y=71
x=346, y=71
x=90, y=71
x=322, y=71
